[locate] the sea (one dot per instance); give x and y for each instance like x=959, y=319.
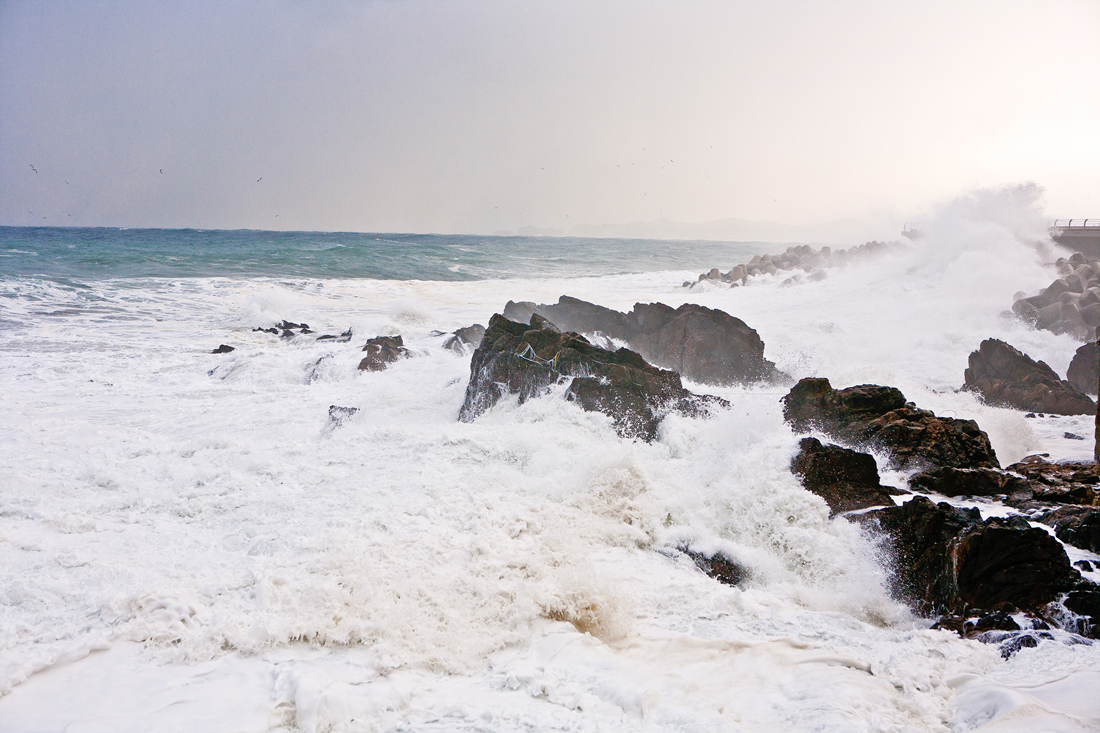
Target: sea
x=189, y=543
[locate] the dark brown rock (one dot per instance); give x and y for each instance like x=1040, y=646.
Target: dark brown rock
x=381, y=352
x=718, y=566
x=879, y=418
x=947, y=560
x=1071, y=482
x=701, y=344
x=526, y=359
x=1084, y=370
x=1004, y=376
x=223, y=349
x=951, y=481
x=846, y=479
x=1075, y=525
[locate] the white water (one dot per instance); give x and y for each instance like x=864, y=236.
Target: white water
x=185, y=545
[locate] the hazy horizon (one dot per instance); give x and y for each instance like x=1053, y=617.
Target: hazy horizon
x=489, y=117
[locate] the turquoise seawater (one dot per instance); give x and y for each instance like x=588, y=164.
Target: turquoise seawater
x=110, y=253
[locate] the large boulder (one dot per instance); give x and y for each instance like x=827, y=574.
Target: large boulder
x=846, y=479
x=951, y=481
x=879, y=418
x=526, y=359
x=1084, y=370
x=381, y=352
x=947, y=560
x=1003, y=375
x=702, y=344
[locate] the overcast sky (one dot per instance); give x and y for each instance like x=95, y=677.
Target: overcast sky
x=478, y=116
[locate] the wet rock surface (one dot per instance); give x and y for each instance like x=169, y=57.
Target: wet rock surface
x=1069, y=482
x=381, y=352
x=702, y=344
x=527, y=359
x=846, y=479
x=951, y=481
x=947, y=560
x=1075, y=525
x=465, y=338
x=879, y=418
x=1084, y=370
x=1070, y=304
x=223, y=349
x=286, y=329
x=718, y=566
x=1005, y=376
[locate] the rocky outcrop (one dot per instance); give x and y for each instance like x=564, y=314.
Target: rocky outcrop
x=465, y=338
x=1004, y=376
x=879, y=418
x=702, y=344
x=951, y=481
x=526, y=359
x=1070, y=304
x=381, y=352
x=846, y=479
x=1071, y=482
x=341, y=339
x=1075, y=525
x=947, y=560
x=796, y=260
x=286, y=329
x=223, y=349
x=1084, y=370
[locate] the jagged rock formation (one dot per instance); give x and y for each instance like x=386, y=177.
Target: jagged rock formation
x=947, y=560
x=1004, y=376
x=1084, y=370
x=702, y=344
x=1071, y=482
x=846, y=479
x=381, y=352
x=951, y=481
x=526, y=359
x=880, y=418
x=1075, y=525
x=1070, y=304
x=797, y=259
x=465, y=338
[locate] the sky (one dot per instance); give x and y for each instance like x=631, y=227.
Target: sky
x=482, y=116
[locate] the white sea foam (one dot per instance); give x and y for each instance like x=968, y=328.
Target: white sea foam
x=185, y=544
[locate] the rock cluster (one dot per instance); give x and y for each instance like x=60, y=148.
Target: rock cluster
x=846, y=479
x=1070, y=304
x=381, y=352
x=801, y=258
x=881, y=419
x=702, y=344
x=1004, y=376
x=526, y=359
x=286, y=329
x=1071, y=482
x=1084, y=370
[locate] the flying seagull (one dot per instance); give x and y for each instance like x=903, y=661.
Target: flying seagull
x=33, y=169
x=259, y=179
x=161, y=171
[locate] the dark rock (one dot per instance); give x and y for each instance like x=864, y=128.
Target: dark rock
x=223, y=349
x=527, y=359
x=1002, y=375
x=846, y=479
x=464, y=338
x=381, y=352
x=341, y=339
x=948, y=560
x=718, y=566
x=880, y=418
x=702, y=344
x=1083, y=565
x=1072, y=436
x=1070, y=482
x=337, y=416
x=951, y=481
x=1084, y=370
x=1075, y=525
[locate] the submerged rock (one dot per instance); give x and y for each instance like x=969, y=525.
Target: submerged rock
x=879, y=418
x=526, y=359
x=1004, y=376
x=718, y=566
x=465, y=338
x=1084, y=370
x=341, y=339
x=947, y=560
x=381, y=352
x=223, y=349
x=846, y=479
x=702, y=344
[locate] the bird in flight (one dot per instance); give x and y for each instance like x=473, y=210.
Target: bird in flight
x=33, y=169
x=259, y=179
x=161, y=171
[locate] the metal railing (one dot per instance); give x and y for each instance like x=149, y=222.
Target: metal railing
x=1076, y=224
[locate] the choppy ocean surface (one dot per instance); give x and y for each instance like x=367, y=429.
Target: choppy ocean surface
x=187, y=544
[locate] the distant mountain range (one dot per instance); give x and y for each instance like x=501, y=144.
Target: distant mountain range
x=840, y=231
